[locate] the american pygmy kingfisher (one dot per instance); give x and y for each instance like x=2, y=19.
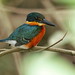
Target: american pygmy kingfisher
x=30, y=33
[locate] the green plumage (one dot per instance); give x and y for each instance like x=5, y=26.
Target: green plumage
x=24, y=34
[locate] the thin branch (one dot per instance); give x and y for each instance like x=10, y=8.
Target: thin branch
x=17, y=60
x=8, y=51
x=35, y=49
x=26, y=11
x=56, y=42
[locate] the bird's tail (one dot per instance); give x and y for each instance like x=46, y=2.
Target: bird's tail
x=3, y=40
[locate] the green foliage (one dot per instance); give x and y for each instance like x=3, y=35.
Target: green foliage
x=46, y=63
x=68, y=2
x=11, y=2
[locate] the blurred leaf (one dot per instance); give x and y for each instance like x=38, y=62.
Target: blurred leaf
x=46, y=63
x=12, y=2
x=68, y=2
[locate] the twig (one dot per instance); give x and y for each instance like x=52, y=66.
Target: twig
x=56, y=42
x=8, y=51
x=26, y=11
x=70, y=52
x=17, y=60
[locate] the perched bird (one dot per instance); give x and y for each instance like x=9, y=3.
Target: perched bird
x=30, y=33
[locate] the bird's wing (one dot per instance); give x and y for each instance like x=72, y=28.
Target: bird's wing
x=24, y=34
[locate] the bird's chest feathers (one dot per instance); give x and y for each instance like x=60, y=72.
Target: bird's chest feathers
x=37, y=38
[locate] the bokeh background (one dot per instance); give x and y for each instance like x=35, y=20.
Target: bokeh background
x=60, y=12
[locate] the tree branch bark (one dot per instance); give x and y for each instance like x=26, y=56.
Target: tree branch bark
x=36, y=49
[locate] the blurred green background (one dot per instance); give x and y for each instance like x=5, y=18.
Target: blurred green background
x=62, y=13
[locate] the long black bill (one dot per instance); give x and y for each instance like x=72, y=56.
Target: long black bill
x=47, y=22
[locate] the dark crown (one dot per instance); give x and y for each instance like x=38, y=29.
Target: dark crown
x=34, y=16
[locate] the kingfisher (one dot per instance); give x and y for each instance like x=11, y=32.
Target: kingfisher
x=30, y=33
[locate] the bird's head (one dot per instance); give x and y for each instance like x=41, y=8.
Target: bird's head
x=38, y=18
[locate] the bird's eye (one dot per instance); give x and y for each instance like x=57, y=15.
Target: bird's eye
x=40, y=19
x=37, y=18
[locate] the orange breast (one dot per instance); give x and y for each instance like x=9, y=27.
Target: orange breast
x=36, y=39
